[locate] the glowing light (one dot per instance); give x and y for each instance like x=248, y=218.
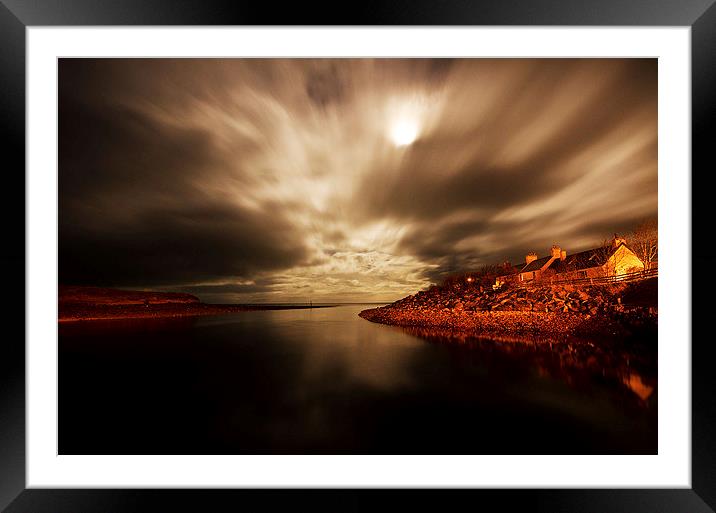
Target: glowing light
x=404, y=132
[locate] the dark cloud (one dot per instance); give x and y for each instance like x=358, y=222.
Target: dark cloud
x=324, y=85
x=133, y=211
x=236, y=292
x=282, y=179
x=195, y=243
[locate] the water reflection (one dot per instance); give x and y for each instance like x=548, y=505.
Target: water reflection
x=327, y=381
x=577, y=362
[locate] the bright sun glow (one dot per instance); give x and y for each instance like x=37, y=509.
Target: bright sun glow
x=404, y=132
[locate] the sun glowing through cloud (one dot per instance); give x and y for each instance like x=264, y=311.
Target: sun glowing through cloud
x=404, y=132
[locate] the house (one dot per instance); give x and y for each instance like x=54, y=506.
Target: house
x=534, y=267
x=613, y=259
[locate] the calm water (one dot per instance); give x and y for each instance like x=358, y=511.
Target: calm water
x=327, y=381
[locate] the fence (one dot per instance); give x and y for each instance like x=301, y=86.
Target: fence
x=601, y=280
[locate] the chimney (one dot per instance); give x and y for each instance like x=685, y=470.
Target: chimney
x=531, y=257
x=556, y=251
x=563, y=256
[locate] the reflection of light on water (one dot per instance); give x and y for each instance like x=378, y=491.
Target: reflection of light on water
x=574, y=361
x=636, y=385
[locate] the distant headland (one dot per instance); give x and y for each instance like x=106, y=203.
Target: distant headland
x=95, y=303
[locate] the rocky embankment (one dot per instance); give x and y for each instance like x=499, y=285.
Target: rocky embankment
x=543, y=310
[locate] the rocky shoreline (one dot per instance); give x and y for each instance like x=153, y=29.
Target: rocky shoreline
x=560, y=310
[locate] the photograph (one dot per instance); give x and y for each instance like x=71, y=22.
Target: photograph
x=357, y=256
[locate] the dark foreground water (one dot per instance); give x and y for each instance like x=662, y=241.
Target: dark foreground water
x=327, y=381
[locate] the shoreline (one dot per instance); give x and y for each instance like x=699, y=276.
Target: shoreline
x=90, y=313
x=500, y=323
x=547, y=311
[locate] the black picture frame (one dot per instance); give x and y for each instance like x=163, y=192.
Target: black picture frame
x=17, y=15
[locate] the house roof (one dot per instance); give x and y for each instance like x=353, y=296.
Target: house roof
x=536, y=265
x=594, y=257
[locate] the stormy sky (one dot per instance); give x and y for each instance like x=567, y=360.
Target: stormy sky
x=268, y=180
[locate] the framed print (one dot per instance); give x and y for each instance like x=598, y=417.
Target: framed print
x=419, y=251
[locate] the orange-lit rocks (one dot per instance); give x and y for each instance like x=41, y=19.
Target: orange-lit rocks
x=541, y=310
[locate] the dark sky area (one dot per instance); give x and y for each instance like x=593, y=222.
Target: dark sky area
x=272, y=180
